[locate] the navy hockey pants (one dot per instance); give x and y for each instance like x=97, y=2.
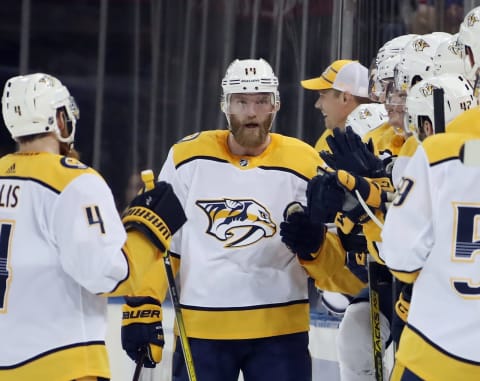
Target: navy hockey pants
x=279, y=358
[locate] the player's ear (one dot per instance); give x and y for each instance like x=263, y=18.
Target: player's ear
x=61, y=122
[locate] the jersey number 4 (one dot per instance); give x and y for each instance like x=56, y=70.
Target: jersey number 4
x=467, y=245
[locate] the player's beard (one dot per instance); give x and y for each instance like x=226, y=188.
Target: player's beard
x=250, y=137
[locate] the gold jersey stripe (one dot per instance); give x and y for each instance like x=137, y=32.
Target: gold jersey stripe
x=247, y=324
x=430, y=363
x=61, y=365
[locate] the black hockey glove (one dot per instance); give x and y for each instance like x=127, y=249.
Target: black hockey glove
x=324, y=198
x=354, y=241
x=142, y=330
x=350, y=153
x=300, y=234
x=157, y=213
x=357, y=264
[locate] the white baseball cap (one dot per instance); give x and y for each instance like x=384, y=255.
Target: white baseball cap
x=343, y=75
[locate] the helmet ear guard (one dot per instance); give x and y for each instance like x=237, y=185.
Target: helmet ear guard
x=30, y=104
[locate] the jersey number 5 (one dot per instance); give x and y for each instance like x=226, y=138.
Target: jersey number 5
x=467, y=245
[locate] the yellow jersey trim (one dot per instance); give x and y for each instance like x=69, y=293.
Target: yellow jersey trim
x=212, y=145
x=31, y=166
x=68, y=363
x=430, y=362
x=247, y=324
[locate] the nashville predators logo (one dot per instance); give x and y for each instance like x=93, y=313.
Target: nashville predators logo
x=455, y=48
x=364, y=114
x=238, y=223
x=427, y=89
x=420, y=44
x=472, y=19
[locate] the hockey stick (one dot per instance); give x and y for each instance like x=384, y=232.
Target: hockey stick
x=138, y=367
x=374, y=287
x=148, y=179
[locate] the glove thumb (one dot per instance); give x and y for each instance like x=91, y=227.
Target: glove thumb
x=155, y=351
x=294, y=207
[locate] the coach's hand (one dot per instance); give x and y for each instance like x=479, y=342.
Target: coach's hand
x=142, y=330
x=157, y=213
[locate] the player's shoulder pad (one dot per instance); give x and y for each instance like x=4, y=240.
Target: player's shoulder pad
x=409, y=147
x=466, y=122
x=377, y=133
x=201, y=144
x=321, y=144
x=294, y=155
x=56, y=171
x=385, y=140
x=444, y=146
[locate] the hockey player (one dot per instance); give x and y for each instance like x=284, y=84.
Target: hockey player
x=437, y=252
x=355, y=358
x=419, y=108
x=63, y=245
x=469, y=45
x=243, y=294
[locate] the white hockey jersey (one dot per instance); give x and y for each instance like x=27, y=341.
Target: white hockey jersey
x=237, y=279
x=431, y=237
x=61, y=244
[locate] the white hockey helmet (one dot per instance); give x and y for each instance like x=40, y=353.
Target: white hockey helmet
x=385, y=75
x=249, y=76
x=367, y=117
x=448, y=57
x=416, y=62
x=384, y=61
x=393, y=47
x=468, y=38
x=458, y=97
x=30, y=103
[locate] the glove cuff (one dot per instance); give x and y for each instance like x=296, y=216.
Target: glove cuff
x=136, y=301
x=149, y=223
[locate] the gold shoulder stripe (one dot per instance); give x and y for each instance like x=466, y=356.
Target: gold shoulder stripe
x=409, y=147
x=445, y=146
x=205, y=144
x=53, y=171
